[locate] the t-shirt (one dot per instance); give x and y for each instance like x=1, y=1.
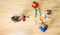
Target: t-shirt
x=36, y=5
x=45, y=15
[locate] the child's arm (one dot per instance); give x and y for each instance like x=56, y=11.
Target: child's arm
x=33, y=5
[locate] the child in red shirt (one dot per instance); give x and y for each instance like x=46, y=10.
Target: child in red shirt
x=35, y=5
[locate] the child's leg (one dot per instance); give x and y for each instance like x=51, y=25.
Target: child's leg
x=38, y=9
x=35, y=12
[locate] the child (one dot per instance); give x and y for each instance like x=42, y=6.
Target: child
x=35, y=5
x=46, y=14
x=18, y=18
x=43, y=27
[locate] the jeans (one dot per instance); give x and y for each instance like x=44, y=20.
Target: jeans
x=43, y=29
x=37, y=10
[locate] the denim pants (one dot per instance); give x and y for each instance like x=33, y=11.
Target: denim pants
x=37, y=10
x=43, y=29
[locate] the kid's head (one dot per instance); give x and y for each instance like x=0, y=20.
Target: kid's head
x=43, y=24
x=15, y=18
x=34, y=2
x=48, y=11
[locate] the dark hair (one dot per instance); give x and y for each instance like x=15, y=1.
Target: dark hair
x=15, y=18
x=49, y=12
x=34, y=2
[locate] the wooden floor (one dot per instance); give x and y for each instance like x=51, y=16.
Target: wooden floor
x=10, y=7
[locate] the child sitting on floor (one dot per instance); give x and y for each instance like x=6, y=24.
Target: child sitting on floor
x=43, y=27
x=46, y=14
x=18, y=18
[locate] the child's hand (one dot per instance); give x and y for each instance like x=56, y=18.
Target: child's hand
x=33, y=4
